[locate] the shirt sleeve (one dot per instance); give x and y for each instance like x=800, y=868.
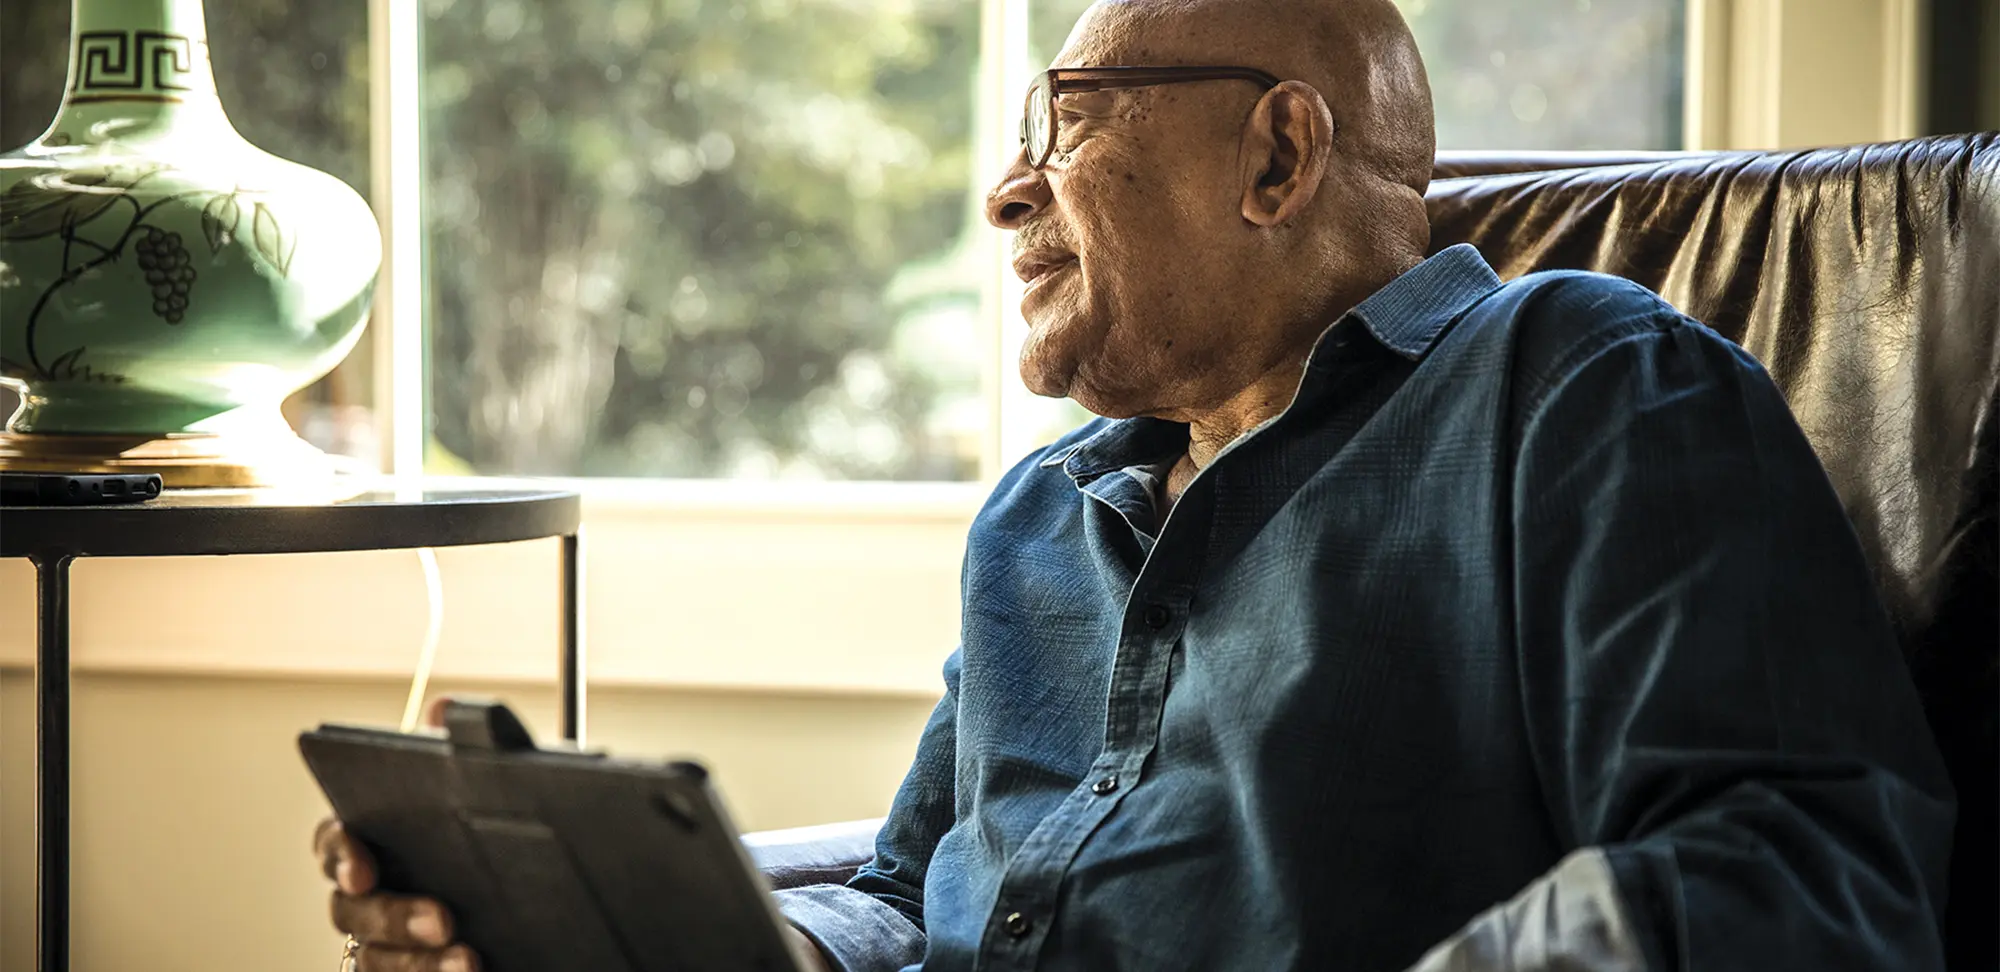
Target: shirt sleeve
x=1721, y=719
x=875, y=922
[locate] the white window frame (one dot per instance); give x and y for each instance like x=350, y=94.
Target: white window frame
x=395, y=155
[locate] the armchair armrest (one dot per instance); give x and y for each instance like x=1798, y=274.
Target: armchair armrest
x=825, y=854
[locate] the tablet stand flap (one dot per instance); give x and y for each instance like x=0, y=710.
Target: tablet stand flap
x=484, y=725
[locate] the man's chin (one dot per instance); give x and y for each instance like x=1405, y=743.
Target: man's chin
x=1050, y=379
x=1045, y=378
x=1054, y=364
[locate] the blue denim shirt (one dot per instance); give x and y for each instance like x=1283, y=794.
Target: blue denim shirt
x=1524, y=570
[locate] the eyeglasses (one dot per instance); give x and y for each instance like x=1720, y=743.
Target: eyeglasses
x=1038, y=119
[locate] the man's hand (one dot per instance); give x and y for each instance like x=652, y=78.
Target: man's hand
x=401, y=933
x=398, y=933
x=803, y=949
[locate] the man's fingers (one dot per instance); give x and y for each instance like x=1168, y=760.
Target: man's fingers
x=803, y=949
x=342, y=858
x=383, y=958
x=394, y=920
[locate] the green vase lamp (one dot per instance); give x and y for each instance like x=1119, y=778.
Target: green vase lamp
x=164, y=284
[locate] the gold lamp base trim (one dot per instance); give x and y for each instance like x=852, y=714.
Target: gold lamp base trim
x=251, y=457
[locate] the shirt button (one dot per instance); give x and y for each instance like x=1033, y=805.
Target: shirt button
x=1105, y=786
x=1157, y=616
x=1019, y=925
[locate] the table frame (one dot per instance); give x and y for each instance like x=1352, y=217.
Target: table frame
x=52, y=562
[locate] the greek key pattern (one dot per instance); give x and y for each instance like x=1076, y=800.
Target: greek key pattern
x=129, y=61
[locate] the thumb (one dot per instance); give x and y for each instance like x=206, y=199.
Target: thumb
x=343, y=859
x=434, y=712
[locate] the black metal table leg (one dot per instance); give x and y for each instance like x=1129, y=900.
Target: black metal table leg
x=52, y=763
x=387, y=516
x=570, y=677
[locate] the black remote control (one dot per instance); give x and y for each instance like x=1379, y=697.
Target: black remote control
x=65, y=489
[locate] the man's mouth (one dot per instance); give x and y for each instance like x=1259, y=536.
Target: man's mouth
x=1036, y=266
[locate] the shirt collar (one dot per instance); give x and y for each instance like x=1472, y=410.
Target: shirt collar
x=1406, y=317
x=1118, y=445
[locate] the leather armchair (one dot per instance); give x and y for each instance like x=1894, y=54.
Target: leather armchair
x=1867, y=280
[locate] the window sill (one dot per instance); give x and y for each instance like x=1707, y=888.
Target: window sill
x=623, y=500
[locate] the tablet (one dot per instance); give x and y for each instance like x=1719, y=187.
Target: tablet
x=551, y=860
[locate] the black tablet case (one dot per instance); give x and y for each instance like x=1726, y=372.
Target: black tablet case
x=553, y=861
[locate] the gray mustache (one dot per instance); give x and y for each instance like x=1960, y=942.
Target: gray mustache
x=1035, y=237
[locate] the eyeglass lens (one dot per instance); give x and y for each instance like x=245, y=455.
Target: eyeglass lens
x=1036, y=124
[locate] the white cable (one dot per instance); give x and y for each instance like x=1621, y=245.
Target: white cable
x=413, y=709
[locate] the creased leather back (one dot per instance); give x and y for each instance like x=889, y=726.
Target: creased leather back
x=1867, y=280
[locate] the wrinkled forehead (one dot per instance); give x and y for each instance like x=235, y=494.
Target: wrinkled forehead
x=1148, y=32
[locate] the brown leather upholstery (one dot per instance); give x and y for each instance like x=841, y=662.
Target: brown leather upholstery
x=1867, y=280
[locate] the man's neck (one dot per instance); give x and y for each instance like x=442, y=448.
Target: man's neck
x=1212, y=430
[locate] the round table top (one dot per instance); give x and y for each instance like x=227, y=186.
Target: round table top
x=347, y=514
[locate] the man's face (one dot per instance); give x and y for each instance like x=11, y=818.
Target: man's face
x=1128, y=238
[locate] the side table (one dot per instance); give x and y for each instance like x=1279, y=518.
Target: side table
x=388, y=515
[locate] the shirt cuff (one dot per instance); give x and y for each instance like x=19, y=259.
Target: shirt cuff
x=1569, y=918
x=854, y=931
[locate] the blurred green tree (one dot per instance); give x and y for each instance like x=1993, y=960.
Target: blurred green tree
x=688, y=238
x=666, y=237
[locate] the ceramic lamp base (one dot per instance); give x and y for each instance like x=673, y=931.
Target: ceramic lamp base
x=263, y=456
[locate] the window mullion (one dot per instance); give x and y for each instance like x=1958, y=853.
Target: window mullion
x=395, y=41
x=989, y=153
x=1018, y=432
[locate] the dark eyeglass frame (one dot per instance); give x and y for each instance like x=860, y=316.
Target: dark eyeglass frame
x=1058, y=81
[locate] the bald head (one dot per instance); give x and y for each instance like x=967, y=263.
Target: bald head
x=1358, y=54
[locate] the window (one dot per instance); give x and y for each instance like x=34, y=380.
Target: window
x=294, y=79
x=716, y=238
x=1553, y=74
x=742, y=239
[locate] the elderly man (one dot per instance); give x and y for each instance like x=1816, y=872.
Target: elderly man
x=1392, y=615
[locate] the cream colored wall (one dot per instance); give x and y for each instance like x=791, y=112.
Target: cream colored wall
x=695, y=585
x=193, y=812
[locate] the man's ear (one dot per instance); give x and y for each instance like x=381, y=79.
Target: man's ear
x=1286, y=147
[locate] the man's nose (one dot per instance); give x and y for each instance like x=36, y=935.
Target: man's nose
x=1021, y=194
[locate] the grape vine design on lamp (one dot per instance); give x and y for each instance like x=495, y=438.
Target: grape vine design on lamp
x=168, y=271
x=61, y=205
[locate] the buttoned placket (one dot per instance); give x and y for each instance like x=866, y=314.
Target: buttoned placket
x=1155, y=616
